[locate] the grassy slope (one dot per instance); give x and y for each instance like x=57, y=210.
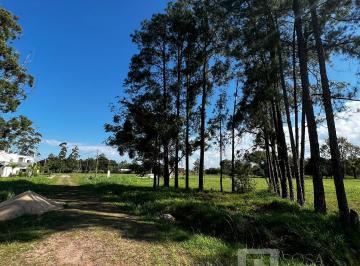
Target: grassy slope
x=210, y=225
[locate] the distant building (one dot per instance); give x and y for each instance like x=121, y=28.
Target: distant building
x=252, y=164
x=13, y=164
x=125, y=171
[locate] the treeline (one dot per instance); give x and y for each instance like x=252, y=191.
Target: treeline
x=70, y=162
x=349, y=156
x=53, y=164
x=270, y=57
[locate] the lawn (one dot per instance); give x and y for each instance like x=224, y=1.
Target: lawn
x=210, y=226
x=352, y=187
x=211, y=183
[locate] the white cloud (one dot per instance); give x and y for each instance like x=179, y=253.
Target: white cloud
x=212, y=155
x=347, y=124
x=51, y=142
x=85, y=149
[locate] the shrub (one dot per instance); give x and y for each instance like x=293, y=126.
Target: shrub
x=244, y=184
x=212, y=171
x=6, y=195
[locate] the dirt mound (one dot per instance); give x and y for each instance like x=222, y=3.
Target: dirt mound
x=27, y=203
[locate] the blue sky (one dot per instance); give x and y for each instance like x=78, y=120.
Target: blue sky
x=80, y=52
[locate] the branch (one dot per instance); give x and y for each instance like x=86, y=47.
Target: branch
x=356, y=19
x=339, y=98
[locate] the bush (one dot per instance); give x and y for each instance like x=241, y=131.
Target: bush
x=6, y=195
x=212, y=171
x=244, y=184
x=22, y=174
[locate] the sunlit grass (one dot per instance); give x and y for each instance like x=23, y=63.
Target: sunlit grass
x=211, y=183
x=257, y=219
x=210, y=226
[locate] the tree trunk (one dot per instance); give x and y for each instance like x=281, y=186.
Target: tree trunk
x=233, y=157
x=280, y=148
x=284, y=152
x=319, y=194
x=280, y=136
x=154, y=180
x=176, y=167
x=296, y=107
x=269, y=162
x=187, y=148
x=233, y=139
x=221, y=158
x=354, y=172
x=333, y=141
x=176, y=170
x=221, y=177
x=302, y=152
x=295, y=161
x=301, y=156
x=202, y=126
x=187, y=132
x=166, y=166
x=187, y=126
x=155, y=166
x=288, y=117
x=165, y=102
x=275, y=169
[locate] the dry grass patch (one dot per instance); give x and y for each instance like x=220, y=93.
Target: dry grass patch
x=100, y=246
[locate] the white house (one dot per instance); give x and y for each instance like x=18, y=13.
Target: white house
x=125, y=171
x=13, y=164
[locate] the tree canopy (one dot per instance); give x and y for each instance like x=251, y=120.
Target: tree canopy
x=17, y=134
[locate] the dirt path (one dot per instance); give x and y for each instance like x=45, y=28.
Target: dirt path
x=94, y=232
x=64, y=180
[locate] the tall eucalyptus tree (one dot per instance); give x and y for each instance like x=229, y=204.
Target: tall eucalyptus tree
x=329, y=112
x=319, y=193
x=211, y=19
x=217, y=129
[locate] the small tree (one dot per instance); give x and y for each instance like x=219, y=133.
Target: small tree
x=196, y=166
x=73, y=158
x=243, y=181
x=62, y=154
x=33, y=170
x=13, y=165
x=217, y=129
x=19, y=136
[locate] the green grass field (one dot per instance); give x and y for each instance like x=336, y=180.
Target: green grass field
x=352, y=187
x=211, y=183
x=210, y=226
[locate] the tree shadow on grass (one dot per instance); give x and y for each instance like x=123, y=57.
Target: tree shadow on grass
x=83, y=209
x=270, y=223
x=267, y=221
